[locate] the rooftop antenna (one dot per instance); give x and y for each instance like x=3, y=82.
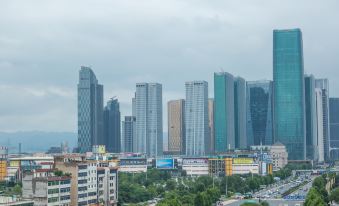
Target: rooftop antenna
x=221, y=69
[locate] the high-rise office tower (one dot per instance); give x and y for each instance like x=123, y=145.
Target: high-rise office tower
x=133, y=106
x=224, y=112
x=90, y=110
x=323, y=84
x=311, y=120
x=148, y=110
x=128, y=134
x=288, y=87
x=176, y=126
x=320, y=155
x=240, y=113
x=334, y=128
x=211, y=124
x=259, y=112
x=196, y=118
x=112, y=129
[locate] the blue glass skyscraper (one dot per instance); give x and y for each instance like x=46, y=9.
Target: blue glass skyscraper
x=259, y=112
x=90, y=110
x=224, y=125
x=289, y=93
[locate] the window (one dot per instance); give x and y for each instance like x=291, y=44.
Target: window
x=66, y=189
x=51, y=183
x=53, y=199
x=53, y=191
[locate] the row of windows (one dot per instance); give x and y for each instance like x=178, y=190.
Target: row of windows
x=66, y=189
x=53, y=191
x=82, y=188
x=82, y=174
x=82, y=181
x=51, y=183
x=82, y=195
x=66, y=197
x=53, y=199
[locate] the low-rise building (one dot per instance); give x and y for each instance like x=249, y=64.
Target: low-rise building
x=133, y=165
x=195, y=166
x=46, y=189
x=278, y=153
x=93, y=181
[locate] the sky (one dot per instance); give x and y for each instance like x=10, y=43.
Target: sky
x=43, y=43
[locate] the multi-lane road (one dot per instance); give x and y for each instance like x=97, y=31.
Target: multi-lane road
x=274, y=194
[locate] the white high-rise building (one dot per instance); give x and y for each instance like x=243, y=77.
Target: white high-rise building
x=320, y=126
x=196, y=118
x=323, y=84
x=148, y=111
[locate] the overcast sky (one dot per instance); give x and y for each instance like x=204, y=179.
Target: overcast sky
x=43, y=44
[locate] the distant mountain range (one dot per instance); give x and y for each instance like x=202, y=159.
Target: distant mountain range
x=36, y=141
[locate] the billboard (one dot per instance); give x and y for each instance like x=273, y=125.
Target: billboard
x=195, y=161
x=164, y=163
x=134, y=161
x=242, y=160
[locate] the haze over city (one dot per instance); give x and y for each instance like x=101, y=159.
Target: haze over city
x=44, y=43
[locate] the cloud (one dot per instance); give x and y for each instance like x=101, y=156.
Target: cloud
x=44, y=43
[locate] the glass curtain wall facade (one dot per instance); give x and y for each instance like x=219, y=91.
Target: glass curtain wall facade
x=90, y=110
x=240, y=113
x=148, y=110
x=112, y=129
x=311, y=120
x=323, y=84
x=289, y=97
x=196, y=118
x=334, y=127
x=259, y=112
x=224, y=112
x=128, y=134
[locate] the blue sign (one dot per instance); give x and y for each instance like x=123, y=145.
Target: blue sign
x=165, y=163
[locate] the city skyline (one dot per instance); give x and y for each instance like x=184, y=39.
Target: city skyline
x=39, y=65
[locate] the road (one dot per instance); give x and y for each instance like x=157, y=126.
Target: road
x=273, y=194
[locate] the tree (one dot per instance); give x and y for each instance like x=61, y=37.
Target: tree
x=314, y=198
x=334, y=196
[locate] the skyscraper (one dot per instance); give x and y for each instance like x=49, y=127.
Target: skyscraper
x=128, y=134
x=334, y=127
x=112, y=129
x=224, y=112
x=211, y=124
x=196, y=118
x=240, y=113
x=148, y=110
x=259, y=112
x=176, y=126
x=323, y=84
x=90, y=110
x=320, y=155
x=311, y=118
x=289, y=97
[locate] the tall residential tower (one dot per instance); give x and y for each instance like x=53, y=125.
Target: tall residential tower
x=196, y=118
x=148, y=110
x=176, y=126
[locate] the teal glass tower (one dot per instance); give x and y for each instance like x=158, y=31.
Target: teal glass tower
x=289, y=93
x=224, y=132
